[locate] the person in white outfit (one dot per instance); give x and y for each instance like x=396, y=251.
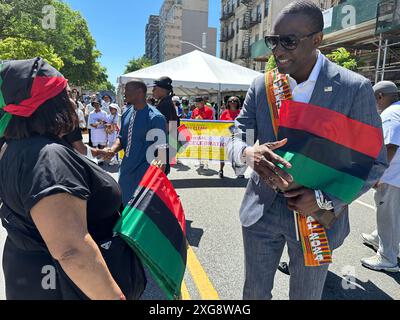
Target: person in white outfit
x=387, y=197
x=112, y=128
x=97, y=121
x=105, y=103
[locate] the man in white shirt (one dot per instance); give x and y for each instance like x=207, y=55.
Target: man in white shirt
x=387, y=197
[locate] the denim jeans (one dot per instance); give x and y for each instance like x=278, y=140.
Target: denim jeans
x=263, y=245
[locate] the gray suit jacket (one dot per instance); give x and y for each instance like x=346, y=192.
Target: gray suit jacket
x=351, y=95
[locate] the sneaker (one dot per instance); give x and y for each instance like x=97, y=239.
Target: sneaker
x=284, y=268
x=373, y=241
x=379, y=263
x=221, y=174
x=370, y=240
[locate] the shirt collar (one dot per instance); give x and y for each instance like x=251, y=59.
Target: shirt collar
x=316, y=70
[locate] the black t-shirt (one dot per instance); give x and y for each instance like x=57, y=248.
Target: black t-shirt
x=34, y=168
x=167, y=108
x=74, y=136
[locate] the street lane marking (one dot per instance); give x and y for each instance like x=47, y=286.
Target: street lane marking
x=365, y=205
x=185, y=292
x=200, y=278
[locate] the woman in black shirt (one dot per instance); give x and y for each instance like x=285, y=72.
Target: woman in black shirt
x=58, y=207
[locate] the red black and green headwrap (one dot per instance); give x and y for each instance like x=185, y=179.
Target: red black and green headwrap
x=24, y=86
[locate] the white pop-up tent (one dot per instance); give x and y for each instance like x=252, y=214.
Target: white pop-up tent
x=197, y=73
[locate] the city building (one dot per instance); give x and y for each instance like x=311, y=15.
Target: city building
x=246, y=22
x=369, y=29
x=184, y=28
x=152, y=40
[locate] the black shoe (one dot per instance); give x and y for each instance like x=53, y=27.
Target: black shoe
x=284, y=268
x=221, y=173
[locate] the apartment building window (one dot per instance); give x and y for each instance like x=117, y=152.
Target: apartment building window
x=236, y=50
x=258, y=10
x=237, y=25
x=266, y=9
x=230, y=56
x=257, y=37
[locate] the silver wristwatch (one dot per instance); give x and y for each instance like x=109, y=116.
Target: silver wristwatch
x=322, y=202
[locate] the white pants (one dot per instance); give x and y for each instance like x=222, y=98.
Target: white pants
x=387, y=200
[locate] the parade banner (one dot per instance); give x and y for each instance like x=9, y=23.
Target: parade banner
x=208, y=141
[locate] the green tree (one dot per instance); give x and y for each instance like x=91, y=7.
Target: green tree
x=137, y=64
x=70, y=38
x=271, y=64
x=14, y=49
x=343, y=58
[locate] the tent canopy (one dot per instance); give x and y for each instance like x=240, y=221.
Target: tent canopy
x=197, y=73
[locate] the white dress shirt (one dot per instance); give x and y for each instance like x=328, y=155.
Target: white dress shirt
x=302, y=92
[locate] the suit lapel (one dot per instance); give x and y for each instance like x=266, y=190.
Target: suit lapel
x=327, y=86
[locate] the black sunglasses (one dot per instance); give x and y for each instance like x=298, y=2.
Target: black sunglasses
x=234, y=101
x=289, y=42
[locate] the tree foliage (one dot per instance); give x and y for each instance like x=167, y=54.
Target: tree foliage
x=137, y=64
x=13, y=48
x=343, y=58
x=69, y=39
x=271, y=64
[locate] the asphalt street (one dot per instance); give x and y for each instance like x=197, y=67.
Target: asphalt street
x=215, y=269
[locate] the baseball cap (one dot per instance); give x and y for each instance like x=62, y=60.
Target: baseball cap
x=164, y=82
x=385, y=87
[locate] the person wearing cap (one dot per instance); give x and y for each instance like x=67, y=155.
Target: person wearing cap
x=112, y=128
x=163, y=92
x=58, y=207
x=385, y=239
x=202, y=112
x=96, y=122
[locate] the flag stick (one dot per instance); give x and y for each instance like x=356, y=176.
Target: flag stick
x=296, y=225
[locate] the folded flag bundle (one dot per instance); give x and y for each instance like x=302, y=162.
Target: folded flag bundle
x=328, y=150
x=153, y=224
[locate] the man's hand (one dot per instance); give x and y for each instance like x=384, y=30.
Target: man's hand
x=264, y=161
x=107, y=154
x=303, y=201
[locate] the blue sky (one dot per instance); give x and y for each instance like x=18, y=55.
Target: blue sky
x=118, y=26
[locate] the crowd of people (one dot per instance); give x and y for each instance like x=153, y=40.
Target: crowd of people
x=59, y=207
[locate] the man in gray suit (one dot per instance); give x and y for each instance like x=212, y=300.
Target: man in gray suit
x=266, y=214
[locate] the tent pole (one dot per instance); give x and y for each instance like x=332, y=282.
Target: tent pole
x=219, y=100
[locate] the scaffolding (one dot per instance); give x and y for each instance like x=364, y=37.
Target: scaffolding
x=387, y=30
